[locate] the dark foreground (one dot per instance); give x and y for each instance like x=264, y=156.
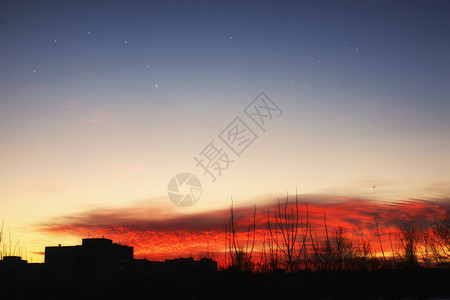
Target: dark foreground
x=232, y=284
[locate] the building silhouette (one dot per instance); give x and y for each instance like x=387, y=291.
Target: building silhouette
x=96, y=261
x=179, y=268
x=12, y=271
x=100, y=261
x=99, y=269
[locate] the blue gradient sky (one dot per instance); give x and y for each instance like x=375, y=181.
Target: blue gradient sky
x=102, y=102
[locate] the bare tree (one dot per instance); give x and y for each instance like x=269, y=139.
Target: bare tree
x=327, y=246
x=341, y=249
x=273, y=259
x=440, y=242
x=379, y=240
x=288, y=232
x=240, y=256
x=364, y=254
x=409, y=237
x=425, y=248
x=391, y=245
x=322, y=256
x=317, y=257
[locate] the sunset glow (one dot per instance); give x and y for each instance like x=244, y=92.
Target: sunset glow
x=198, y=233
x=103, y=103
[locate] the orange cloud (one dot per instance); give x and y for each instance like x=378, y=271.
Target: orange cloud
x=156, y=234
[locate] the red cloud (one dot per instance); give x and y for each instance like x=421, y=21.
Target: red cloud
x=158, y=235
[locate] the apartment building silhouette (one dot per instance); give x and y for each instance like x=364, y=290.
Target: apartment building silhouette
x=96, y=261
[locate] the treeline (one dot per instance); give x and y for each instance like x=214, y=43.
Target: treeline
x=290, y=243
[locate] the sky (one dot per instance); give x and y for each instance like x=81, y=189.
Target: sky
x=102, y=103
